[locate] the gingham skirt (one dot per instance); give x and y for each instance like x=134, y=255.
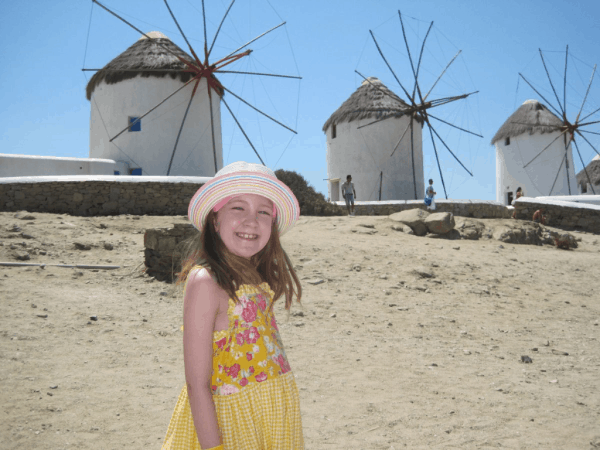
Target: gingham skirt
x=262, y=417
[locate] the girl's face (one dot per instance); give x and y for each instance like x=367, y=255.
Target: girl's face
x=244, y=224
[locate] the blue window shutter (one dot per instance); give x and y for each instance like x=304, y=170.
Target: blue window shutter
x=137, y=126
x=137, y=171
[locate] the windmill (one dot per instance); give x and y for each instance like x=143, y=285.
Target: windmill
x=199, y=76
x=541, y=157
x=416, y=105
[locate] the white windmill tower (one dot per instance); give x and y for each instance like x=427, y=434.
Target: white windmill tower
x=125, y=125
x=534, y=146
x=156, y=109
x=376, y=136
x=531, y=128
x=364, y=152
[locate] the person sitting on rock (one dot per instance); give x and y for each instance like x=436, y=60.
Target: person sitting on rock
x=539, y=216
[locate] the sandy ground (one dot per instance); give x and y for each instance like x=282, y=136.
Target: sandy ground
x=384, y=358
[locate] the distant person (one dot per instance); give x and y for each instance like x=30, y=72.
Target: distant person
x=349, y=194
x=540, y=216
x=430, y=195
x=518, y=196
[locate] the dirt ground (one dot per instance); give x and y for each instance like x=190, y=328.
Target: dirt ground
x=400, y=341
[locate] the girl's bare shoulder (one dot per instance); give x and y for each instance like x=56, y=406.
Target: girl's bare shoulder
x=202, y=284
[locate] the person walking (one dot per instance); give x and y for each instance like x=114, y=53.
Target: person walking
x=349, y=194
x=429, y=196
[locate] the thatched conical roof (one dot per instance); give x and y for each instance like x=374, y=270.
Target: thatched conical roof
x=593, y=170
x=531, y=117
x=371, y=100
x=144, y=58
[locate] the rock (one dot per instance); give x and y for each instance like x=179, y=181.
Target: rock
x=315, y=282
x=81, y=246
x=402, y=227
x=451, y=235
x=26, y=236
x=456, y=247
x=422, y=273
x=108, y=246
x=558, y=352
x=526, y=359
x=414, y=218
x=25, y=217
x=94, y=318
x=22, y=256
x=440, y=223
x=470, y=229
x=15, y=229
x=356, y=267
x=366, y=225
x=362, y=231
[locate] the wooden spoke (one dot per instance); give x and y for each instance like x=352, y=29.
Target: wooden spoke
x=543, y=98
x=259, y=111
x=438, y=162
x=557, y=173
x=219, y=29
x=256, y=38
x=545, y=148
x=550, y=80
x=183, y=34
x=448, y=148
x=242, y=130
x=185, y=61
x=565, y=83
x=584, y=168
x=391, y=70
x=589, y=143
x=586, y=93
x=454, y=126
x=148, y=112
x=441, y=75
x=412, y=156
x=181, y=127
x=400, y=140
x=261, y=74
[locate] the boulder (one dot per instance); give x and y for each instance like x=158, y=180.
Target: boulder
x=470, y=229
x=402, y=227
x=414, y=218
x=440, y=223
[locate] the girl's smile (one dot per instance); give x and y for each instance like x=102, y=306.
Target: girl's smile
x=244, y=224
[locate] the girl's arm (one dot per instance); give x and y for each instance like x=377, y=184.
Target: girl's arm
x=201, y=305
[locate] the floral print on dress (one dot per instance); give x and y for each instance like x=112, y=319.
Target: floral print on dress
x=250, y=350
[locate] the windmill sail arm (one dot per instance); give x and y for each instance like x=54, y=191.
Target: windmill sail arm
x=261, y=74
x=255, y=39
x=454, y=126
x=259, y=111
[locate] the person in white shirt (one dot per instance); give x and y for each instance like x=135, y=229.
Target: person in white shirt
x=349, y=194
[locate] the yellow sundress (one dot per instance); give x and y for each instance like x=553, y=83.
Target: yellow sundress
x=253, y=387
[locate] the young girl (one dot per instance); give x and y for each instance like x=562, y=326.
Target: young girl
x=240, y=393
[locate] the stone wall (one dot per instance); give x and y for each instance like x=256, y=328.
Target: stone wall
x=565, y=215
x=98, y=197
x=164, y=248
x=479, y=209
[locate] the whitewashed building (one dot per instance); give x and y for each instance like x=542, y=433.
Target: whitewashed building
x=521, y=160
x=134, y=83
x=366, y=153
x=32, y=166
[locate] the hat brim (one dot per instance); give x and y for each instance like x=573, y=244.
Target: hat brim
x=238, y=183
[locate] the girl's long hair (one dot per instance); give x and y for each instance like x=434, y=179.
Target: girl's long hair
x=270, y=265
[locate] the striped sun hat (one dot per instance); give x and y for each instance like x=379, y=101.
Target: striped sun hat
x=245, y=178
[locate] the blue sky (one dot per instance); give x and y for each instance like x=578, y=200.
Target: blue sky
x=45, y=112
